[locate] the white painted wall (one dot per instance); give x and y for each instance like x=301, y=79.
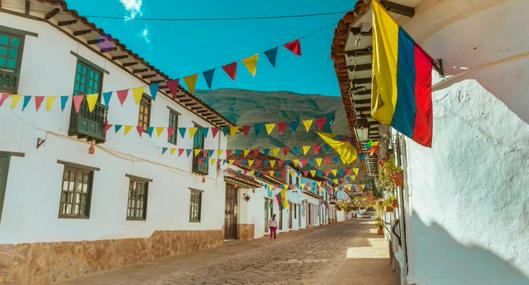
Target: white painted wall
x=467, y=219
x=31, y=205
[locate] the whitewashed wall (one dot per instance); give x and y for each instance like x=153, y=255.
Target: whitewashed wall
x=31, y=205
x=468, y=212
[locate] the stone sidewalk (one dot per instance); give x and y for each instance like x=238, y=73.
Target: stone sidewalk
x=346, y=253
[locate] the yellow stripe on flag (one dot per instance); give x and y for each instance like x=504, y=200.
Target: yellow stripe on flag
x=251, y=64
x=191, y=82
x=91, y=100
x=137, y=93
x=49, y=102
x=385, y=59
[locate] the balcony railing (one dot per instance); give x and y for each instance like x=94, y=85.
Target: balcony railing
x=89, y=125
x=200, y=164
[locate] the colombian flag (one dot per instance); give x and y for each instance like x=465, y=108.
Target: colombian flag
x=402, y=80
x=281, y=198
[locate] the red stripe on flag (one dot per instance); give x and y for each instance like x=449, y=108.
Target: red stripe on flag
x=422, y=132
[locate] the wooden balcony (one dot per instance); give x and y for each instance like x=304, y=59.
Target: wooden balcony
x=89, y=125
x=200, y=168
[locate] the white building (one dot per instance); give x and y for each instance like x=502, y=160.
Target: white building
x=126, y=203
x=463, y=209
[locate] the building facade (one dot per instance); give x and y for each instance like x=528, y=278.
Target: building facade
x=463, y=206
x=80, y=199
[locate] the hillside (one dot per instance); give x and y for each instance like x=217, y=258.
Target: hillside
x=249, y=107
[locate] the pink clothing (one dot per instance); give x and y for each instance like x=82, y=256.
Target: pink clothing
x=272, y=223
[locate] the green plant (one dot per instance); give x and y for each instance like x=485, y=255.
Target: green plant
x=389, y=175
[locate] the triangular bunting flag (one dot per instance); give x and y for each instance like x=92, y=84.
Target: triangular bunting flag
x=173, y=86
x=117, y=128
x=272, y=163
x=170, y=132
x=275, y=151
x=188, y=152
x=294, y=47
x=164, y=150
x=64, y=100
x=294, y=125
x=245, y=130
x=286, y=150
x=25, y=102
x=307, y=124
x=356, y=171
x=214, y=132
x=281, y=127
x=182, y=132
x=231, y=70
x=313, y=173
x=106, y=127
x=38, y=102
x=318, y=161
x=137, y=93
x=140, y=130
x=246, y=152
x=208, y=76
x=14, y=101
x=251, y=64
x=316, y=148
x=192, y=132
x=50, y=100
x=197, y=151
x=106, y=98
x=150, y=131
x=258, y=128
x=122, y=95
x=234, y=131
x=306, y=149
x=191, y=82
x=91, y=100
x=153, y=88
x=127, y=129
x=77, y=100
x=269, y=128
x=271, y=54
x=3, y=98
x=320, y=123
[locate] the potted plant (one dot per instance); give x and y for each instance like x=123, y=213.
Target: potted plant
x=389, y=175
x=380, y=226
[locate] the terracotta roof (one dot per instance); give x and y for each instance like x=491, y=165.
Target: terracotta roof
x=245, y=180
x=57, y=13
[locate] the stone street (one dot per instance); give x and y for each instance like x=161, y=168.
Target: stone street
x=346, y=253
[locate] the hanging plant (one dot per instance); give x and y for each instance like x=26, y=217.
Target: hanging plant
x=389, y=175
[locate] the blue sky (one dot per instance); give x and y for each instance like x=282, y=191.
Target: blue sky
x=185, y=48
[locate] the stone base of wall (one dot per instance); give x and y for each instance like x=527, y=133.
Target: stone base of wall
x=245, y=231
x=45, y=263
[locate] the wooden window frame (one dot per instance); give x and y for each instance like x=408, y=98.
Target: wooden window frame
x=18, y=69
x=76, y=168
x=174, y=138
x=195, y=216
x=145, y=101
x=94, y=68
x=145, y=195
x=195, y=168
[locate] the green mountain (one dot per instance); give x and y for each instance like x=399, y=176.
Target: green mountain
x=246, y=107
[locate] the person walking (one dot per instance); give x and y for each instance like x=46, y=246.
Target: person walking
x=272, y=224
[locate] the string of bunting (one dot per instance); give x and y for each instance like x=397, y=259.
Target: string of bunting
x=137, y=92
x=259, y=128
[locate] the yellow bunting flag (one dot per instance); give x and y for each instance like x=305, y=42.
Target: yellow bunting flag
x=313, y=173
x=91, y=100
x=251, y=64
x=192, y=132
x=219, y=153
x=307, y=124
x=318, y=161
x=126, y=129
x=272, y=163
x=191, y=82
x=49, y=102
x=334, y=172
x=353, y=178
x=275, y=151
x=197, y=151
x=159, y=131
x=344, y=148
x=319, y=183
x=306, y=149
x=231, y=161
x=172, y=151
x=234, y=131
x=137, y=93
x=14, y=101
x=356, y=170
x=252, y=172
x=250, y=162
x=269, y=128
x=246, y=151
x=335, y=181
x=271, y=172
x=295, y=162
x=212, y=161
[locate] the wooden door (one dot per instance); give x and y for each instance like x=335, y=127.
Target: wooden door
x=4, y=167
x=230, y=213
x=290, y=209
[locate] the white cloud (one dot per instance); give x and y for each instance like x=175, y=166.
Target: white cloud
x=145, y=35
x=133, y=7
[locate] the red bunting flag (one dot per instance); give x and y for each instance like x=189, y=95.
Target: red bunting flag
x=140, y=130
x=256, y=152
x=228, y=153
x=106, y=127
x=281, y=127
x=321, y=123
x=286, y=150
x=231, y=70
x=38, y=102
x=327, y=171
x=3, y=98
x=170, y=132
x=122, y=95
x=180, y=151
x=77, y=100
x=327, y=160
x=245, y=130
x=280, y=163
x=214, y=132
x=316, y=149
x=173, y=86
x=294, y=47
x=305, y=173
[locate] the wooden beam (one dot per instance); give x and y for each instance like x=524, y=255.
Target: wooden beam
x=359, y=52
x=360, y=67
x=130, y=63
x=52, y=13
x=357, y=31
x=81, y=32
x=362, y=80
x=109, y=49
x=362, y=92
x=158, y=81
x=362, y=101
x=95, y=41
x=398, y=8
x=66, y=23
x=140, y=70
x=27, y=7
x=117, y=57
x=186, y=100
x=149, y=76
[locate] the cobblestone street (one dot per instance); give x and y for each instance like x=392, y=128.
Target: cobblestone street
x=347, y=253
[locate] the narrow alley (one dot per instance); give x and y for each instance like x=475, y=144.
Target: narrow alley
x=345, y=253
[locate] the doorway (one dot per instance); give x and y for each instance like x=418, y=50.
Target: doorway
x=230, y=213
